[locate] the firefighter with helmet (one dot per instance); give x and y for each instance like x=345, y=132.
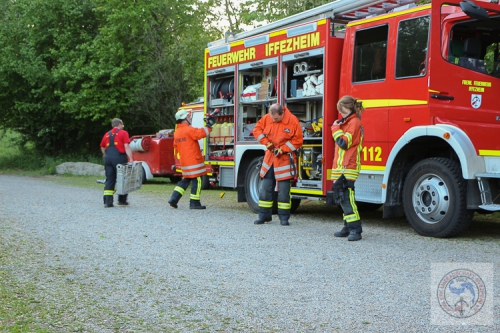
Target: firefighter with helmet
x=187, y=149
x=280, y=132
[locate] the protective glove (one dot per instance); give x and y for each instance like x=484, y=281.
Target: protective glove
x=278, y=152
x=270, y=146
x=210, y=121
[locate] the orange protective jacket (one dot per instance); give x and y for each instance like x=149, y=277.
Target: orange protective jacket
x=287, y=135
x=348, y=138
x=188, y=151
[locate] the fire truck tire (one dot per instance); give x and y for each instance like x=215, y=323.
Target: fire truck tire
x=252, y=184
x=435, y=198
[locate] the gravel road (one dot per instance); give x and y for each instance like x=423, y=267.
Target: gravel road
x=150, y=268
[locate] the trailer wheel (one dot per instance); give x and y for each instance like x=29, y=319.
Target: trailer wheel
x=434, y=198
x=144, y=180
x=252, y=184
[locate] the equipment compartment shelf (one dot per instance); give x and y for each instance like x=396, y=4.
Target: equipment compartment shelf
x=303, y=99
x=263, y=101
x=316, y=71
x=212, y=105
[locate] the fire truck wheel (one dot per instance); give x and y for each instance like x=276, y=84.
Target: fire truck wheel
x=252, y=184
x=434, y=198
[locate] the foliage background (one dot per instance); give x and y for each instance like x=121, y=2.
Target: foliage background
x=67, y=67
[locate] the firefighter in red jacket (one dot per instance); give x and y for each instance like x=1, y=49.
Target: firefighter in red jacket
x=188, y=151
x=115, y=147
x=280, y=132
x=348, y=136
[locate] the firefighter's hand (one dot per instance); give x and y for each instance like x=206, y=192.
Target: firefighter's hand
x=278, y=152
x=270, y=146
x=210, y=121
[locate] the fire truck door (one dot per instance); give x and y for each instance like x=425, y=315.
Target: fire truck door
x=366, y=78
x=408, y=74
x=462, y=72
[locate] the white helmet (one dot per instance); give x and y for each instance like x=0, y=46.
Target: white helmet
x=181, y=114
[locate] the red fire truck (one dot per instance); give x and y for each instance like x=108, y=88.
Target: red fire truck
x=156, y=152
x=427, y=76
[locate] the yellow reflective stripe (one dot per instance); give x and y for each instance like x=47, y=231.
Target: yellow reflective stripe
x=265, y=204
x=355, y=215
x=385, y=103
x=349, y=139
x=109, y=192
x=284, y=205
x=340, y=159
x=483, y=152
x=179, y=189
x=337, y=134
x=385, y=16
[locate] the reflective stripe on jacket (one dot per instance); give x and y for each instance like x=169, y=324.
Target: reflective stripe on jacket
x=188, y=150
x=287, y=135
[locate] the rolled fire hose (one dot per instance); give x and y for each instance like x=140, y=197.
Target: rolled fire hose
x=296, y=68
x=141, y=144
x=304, y=66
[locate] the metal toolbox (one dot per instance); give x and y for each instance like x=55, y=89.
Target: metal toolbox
x=128, y=177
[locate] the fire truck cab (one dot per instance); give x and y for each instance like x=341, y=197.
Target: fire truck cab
x=427, y=77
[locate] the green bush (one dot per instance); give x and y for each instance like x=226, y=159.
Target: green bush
x=15, y=157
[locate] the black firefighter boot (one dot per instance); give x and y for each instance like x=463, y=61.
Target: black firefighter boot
x=195, y=204
x=265, y=215
x=174, y=199
x=108, y=201
x=122, y=200
x=355, y=231
x=344, y=232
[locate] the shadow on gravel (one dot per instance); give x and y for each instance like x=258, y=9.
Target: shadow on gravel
x=483, y=227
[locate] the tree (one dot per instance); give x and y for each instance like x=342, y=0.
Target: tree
x=68, y=67
x=256, y=12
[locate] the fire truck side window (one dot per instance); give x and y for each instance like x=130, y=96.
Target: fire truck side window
x=474, y=45
x=413, y=38
x=370, y=54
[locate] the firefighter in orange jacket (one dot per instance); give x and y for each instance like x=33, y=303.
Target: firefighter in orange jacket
x=280, y=132
x=188, y=151
x=348, y=136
